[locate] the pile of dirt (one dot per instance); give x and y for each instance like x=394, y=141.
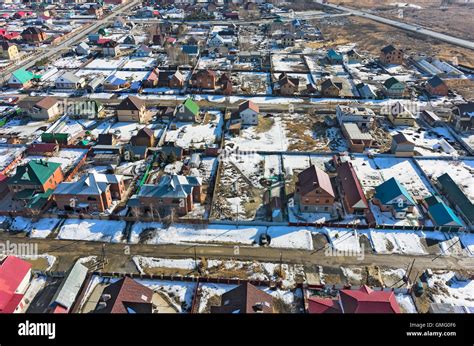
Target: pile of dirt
x=374, y=277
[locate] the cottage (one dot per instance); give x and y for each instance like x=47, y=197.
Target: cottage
x=442, y=215
x=204, y=79
x=330, y=89
x=362, y=116
x=462, y=117
x=9, y=50
x=402, y=146
x=249, y=112
x=21, y=78
x=393, y=87
x=400, y=116
x=245, y=299
x=110, y=48
x=435, y=86
x=125, y=296
x=391, y=55
x=172, y=193
x=145, y=137
x=188, y=111
x=314, y=191
x=288, y=85
x=143, y=51
x=353, y=57
x=15, y=276
x=69, y=80
x=366, y=91
x=334, y=57
x=392, y=196
x=353, y=197
x=83, y=49
x=33, y=35
x=36, y=177
x=91, y=193
x=132, y=109
x=360, y=301
x=45, y=109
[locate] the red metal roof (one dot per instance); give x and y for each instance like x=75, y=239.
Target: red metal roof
x=366, y=300
x=351, y=185
x=12, y=272
x=323, y=306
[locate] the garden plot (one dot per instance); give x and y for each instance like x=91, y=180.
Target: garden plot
x=311, y=133
x=189, y=135
x=402, y=242
x=288, y=63
x=207, y=169
x=272, y=165
x=343, y=240
x=92, y=230
x=18, y=126
x=268, y=135
x=137, y=64
x=281, y=236
x=42, y=228
x=252, y=83
x=295, y=215
x=70, y=62
x=105, y=64
x=68, y=158
x=446, y=288
x=432, y=142
x=207, y=63
x=461, y=171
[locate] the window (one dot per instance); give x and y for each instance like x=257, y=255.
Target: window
x=327, y=201
x=326, y=208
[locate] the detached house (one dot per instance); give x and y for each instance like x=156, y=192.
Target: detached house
x=288, y=85
x=393, y=197
x=334, y=57
x=37, y=176
x=462, y=117
x=362, y=116
x=204, y=79
x=391, y=55
x=9, y=50
x=91, y=193
x=248, y=112
x=45, y=109
x=400, y=116
x=353, y=196
x=442, y=215
x=393, y=87
x=173, y=192
x=132, y=109
x=330, y=89
x=314, y=192
x=145, y=137
x=69, y=80
x=110, y=48
x=244, y=299
x=21, y=79
x=402, y=146
x=436, y=86
x=15, y=276
x=188, y=111
x=33, y=35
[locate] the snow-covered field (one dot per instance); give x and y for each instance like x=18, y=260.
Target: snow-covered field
x=66, y=157
x=403, y=242
x=36, y=229
x=92, y=230
x=449, y=290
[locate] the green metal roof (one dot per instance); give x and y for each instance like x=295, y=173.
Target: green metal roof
x=391, y=189
x=35, y=172
x=23, y=75
x=191, y=106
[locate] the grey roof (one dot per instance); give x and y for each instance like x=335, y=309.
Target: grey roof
x=91, y=184
x=69, y=288
x=171, y=186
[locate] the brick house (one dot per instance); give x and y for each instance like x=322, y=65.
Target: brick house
x=37, y=176
x=353, y=196
x=391, y=55
x=8, y=50
x=314, y=191
x=330, y=89
x=392, y=196
x=91, y=193
x=33, y=35
x=248, y=112
x=204, y=79
x=173, y=192
x=436, y=86
x=132, y=109
x=244, y=299
x=47, y=108
x=393, y=87
x=399, y=115
x=145, y=137
x=288, y=85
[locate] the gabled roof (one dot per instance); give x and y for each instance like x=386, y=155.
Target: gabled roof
x=312, y=178
x=465, y=109
x=248, y=105
x=190, y=49
x=323, y=306
x=46, y=102
x=91, y=184
x=145, y=131
x=70, y=286
x=131, y=103
x=192, y=106
x=12, y=272
x=32, y=31
x=456, y=196
x=435, y=82
x=391, y=189
x=389, y=83
x=366, y=300
x=328, y=83
x=388, y=49
x=400, y=138
x=443, y=215
x=35, y=172
x=23, y=75
x=171, y=186
x=332, y=54
x=351, y=185
x=126, y=296
x=245, y=298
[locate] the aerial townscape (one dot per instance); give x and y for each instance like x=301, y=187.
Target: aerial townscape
x=235, y=156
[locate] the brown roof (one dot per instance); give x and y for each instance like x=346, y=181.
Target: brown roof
x=248, y=104
x=131, y=103
x=245, y=298
x=401, y=138
x=350, y=184
x=47, y=102
x=312, y=178
x=126, y=295
x=145, y=131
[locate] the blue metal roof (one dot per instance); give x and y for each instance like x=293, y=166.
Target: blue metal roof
x=391, y=189
x=443, y=215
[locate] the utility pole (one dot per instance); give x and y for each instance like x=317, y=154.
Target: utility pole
x=281, y=264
